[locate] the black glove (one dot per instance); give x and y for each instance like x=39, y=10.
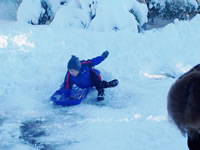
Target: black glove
x=105, y=54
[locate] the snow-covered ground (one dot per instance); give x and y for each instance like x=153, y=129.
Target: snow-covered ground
x=133, y=115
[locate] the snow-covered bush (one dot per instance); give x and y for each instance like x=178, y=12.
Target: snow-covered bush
x=140, y=11
x=120, y=15
x=172, y=9
x=8, y=9
x=29, y=11
x=37, y=11
x=179, y=9
x=77, y=13
x=101, y=15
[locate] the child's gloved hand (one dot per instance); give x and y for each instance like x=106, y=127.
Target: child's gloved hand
x=105, y=54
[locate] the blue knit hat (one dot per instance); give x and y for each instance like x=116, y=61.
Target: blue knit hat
x=74, y=63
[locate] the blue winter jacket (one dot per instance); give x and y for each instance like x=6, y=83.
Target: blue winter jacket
x=82, y=80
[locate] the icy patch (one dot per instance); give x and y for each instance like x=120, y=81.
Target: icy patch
x=3, y=41
x=156, y=118
x=137, y=116
x=154, y=76
x=21, y=40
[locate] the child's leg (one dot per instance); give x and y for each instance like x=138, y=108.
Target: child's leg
x=95, y=73
x=96, y=80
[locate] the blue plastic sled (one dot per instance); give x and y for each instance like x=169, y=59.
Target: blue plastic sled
x=77, y=96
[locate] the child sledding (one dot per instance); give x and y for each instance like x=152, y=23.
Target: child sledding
x=84, y=76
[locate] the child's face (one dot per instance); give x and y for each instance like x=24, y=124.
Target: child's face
x=73, y=72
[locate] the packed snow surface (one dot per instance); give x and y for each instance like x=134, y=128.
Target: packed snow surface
x=133, y=115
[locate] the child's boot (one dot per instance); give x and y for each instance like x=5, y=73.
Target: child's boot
x=113, y=83
x=100, y=96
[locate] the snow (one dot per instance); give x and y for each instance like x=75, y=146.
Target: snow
x=55, y=5
x=141, y=11
x=132, y=116
x=28, y=14
x=107, y=20
x=70, y=16
x=88, y=14
x=8, y=10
